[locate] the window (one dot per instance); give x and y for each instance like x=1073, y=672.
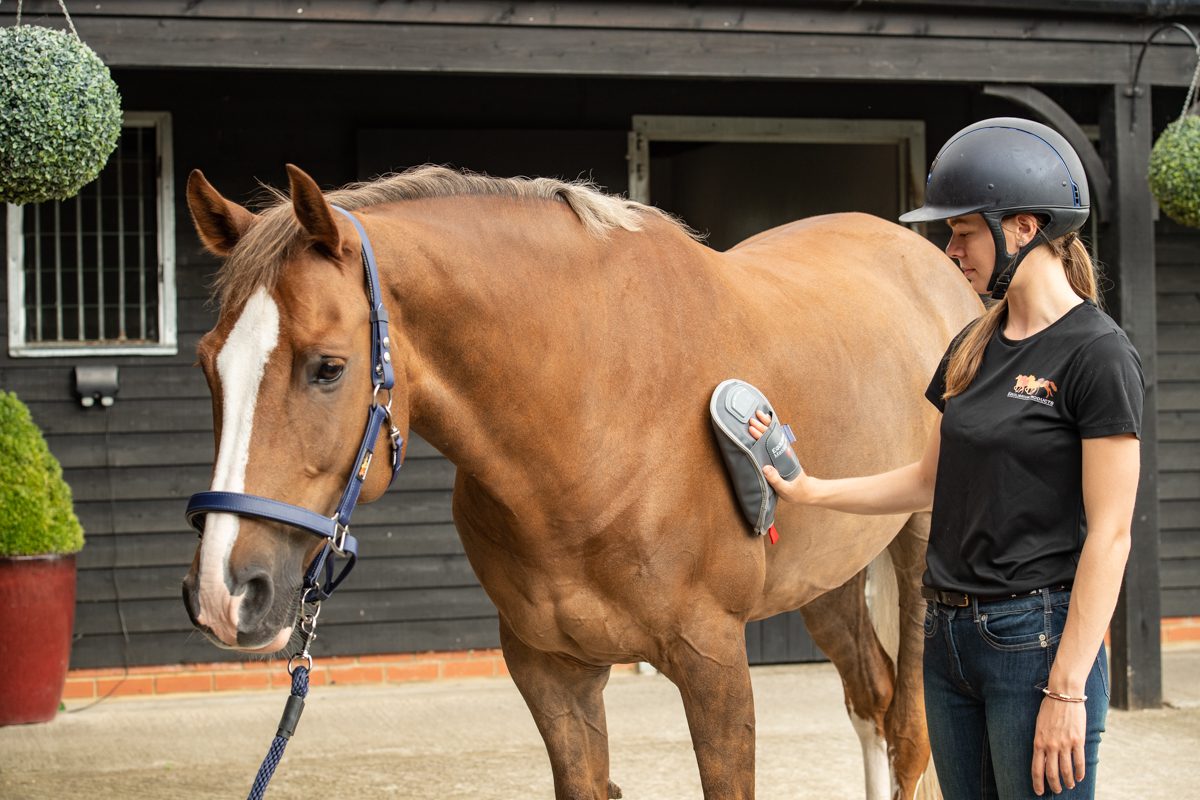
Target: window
x=95, y=274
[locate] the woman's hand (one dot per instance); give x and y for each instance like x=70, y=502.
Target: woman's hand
x=1058, y=760
x=799, y=488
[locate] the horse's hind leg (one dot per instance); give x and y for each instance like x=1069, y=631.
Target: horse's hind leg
x=840, y=625
x=566, y=699
x=908, y=739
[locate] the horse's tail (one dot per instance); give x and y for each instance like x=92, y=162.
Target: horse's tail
x=885, y=575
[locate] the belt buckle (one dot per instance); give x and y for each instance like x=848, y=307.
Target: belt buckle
x=955, y=599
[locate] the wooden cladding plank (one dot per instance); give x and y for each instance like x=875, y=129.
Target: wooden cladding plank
x=1179, y=278
x=352, y=607
x=105, y=551
x=156, y=449
x=189, y=647
x=1179, y=514
x=964, y=21
x=125, y=416
x=1178, y=456
x=152, y=482
x=1183, y=543
x=1179, y=366
x=1179, y=426
x=410, y=637
x=1179, y=308
x=133, y=449
x=148, y=381
x=150, y=583
x=149, y=516
x=144, y=42
x=1179, y=338
x=1179, y=396
x=1179, y=485
x=1180, y=573
x=1181, y=602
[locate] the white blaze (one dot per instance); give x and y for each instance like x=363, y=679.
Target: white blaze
x=240, y=366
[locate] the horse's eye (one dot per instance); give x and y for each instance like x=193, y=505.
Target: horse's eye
x=330, y=371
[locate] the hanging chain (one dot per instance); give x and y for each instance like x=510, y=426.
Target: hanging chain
x=1191, y=95
x=61, y=4
x=70, y=24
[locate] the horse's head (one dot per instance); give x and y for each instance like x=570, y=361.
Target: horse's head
x=289, y=367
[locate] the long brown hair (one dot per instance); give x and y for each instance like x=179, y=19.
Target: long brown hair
x=965, y=361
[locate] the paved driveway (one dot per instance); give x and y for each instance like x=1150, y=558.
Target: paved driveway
x=474, y=739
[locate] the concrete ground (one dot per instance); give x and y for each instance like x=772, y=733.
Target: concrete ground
x=475, y=739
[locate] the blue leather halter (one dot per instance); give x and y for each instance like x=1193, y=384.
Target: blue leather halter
x=335, y=529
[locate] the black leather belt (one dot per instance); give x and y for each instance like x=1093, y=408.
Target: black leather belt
x=962, y=599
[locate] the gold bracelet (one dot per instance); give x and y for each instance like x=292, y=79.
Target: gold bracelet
x=1066, y=698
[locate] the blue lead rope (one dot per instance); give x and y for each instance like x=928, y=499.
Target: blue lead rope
x=287, y=726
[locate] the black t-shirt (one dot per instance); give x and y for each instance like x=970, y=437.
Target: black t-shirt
x=1008, y=503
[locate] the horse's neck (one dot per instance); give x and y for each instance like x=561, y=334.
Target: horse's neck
x=524, y=330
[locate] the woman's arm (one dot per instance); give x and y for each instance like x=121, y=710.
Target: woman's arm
x=908, y=488
x=1110, y=477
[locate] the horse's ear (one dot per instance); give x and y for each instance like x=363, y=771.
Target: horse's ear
x=312, y=211
x=220, y=223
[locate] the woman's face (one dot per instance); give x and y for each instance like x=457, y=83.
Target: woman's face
x=972, y=247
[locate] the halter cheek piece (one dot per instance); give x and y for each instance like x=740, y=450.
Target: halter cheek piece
x=335, y=529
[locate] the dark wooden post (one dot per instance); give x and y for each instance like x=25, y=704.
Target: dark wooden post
x=1129, y=250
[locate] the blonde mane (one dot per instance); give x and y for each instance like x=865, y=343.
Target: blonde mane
x=277, y=236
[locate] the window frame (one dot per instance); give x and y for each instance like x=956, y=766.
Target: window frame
x=167, y=344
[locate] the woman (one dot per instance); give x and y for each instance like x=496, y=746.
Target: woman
x=1031, y=471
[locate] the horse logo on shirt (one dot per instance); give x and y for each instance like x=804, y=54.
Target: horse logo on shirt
x=1031, y=385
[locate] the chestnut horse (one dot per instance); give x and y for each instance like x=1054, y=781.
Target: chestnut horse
x=559, y=346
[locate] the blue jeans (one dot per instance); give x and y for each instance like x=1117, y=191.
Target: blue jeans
x=985, y=667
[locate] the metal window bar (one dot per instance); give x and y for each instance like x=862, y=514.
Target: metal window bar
x=99, y=184
x=123, y=331
x=79, y=295
x=37, y=275
x=70, y=293
x=141, y=231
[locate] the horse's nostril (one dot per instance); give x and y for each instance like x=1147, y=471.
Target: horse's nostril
x=191, y=601
x=257, y=596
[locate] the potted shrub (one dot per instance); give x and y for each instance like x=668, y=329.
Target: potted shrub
x=39, y=536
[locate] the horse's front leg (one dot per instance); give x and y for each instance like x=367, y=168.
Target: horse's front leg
x=566, y=699
x=708, y=665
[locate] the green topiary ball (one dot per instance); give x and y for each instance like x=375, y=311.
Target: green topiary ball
x=1175, y=171
x=36, y=513
x=60, y=115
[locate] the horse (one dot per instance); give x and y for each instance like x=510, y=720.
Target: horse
x=559, y=346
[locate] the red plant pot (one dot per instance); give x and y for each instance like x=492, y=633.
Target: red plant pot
x=37, y=615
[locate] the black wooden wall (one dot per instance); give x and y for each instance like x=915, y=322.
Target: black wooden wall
x=132, y=467
x=1177, y=254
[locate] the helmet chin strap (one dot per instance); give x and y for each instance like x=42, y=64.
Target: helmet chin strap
x=1001, y=278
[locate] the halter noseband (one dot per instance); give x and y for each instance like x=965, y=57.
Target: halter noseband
x=335, y=529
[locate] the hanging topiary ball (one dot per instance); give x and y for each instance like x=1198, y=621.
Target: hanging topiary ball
x=60, y=114
x=1175, y=171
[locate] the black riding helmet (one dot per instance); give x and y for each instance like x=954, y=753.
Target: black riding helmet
x=1005, y=166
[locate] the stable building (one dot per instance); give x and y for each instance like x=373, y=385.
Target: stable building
x=735, y=117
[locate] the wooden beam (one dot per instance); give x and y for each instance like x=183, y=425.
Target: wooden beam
x=191, y=42
x=956, y=20
x=1129, y=244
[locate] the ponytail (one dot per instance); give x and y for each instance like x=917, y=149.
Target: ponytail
x=966, y=358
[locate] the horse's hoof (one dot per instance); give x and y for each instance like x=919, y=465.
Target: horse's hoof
x=614, y=791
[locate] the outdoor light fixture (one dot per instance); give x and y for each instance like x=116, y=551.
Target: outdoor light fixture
x=96, y=384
